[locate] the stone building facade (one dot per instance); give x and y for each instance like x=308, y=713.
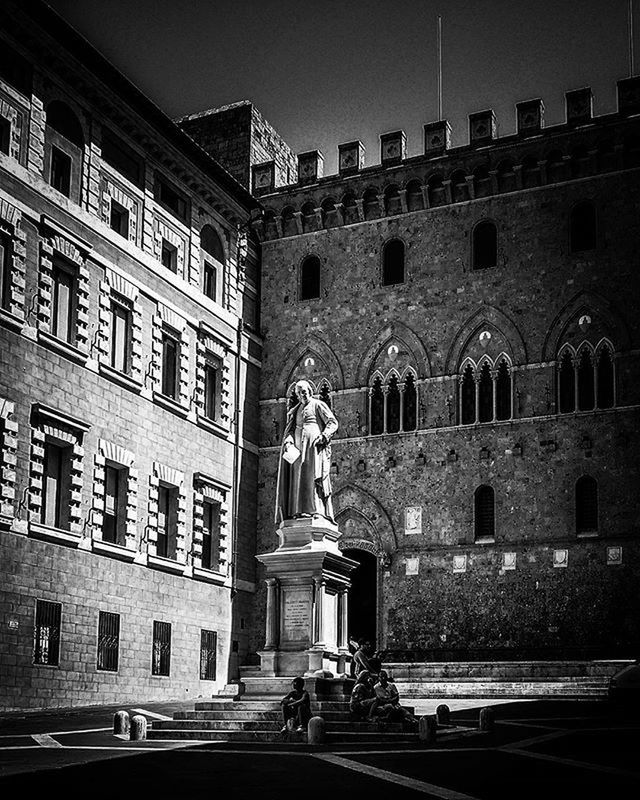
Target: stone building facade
x=128, y=387
x=471, y=315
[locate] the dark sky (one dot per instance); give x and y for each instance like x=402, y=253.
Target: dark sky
x=325, y=72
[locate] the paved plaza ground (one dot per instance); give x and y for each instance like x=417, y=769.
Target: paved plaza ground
x=539, y=749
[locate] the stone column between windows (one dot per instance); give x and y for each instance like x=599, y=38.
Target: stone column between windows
x=318, y=612
x=271, y=633
x=401, y=388
x=476, y=380
x=494, y=386
x=385, y=394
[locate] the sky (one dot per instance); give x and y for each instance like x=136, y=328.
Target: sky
x=325, y=72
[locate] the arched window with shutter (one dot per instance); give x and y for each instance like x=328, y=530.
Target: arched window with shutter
x=484, y=514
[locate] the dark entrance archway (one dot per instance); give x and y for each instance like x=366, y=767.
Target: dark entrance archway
x=363, y=612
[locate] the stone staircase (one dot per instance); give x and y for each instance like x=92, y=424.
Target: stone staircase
x=255, y=716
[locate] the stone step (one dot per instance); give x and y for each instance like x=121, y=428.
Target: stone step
x=201, y=734
x=479, y=688
x=269, y=725
x=505, y=670
x=267, y=704
x=241, y=714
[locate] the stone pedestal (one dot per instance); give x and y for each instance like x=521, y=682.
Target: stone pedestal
x=308, y=583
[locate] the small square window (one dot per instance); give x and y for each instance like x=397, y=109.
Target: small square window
x=60, y=177
x=169, y=256
x=119, y=219
x=5, y=135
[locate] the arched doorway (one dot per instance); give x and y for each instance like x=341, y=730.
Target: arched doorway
x=363, y=596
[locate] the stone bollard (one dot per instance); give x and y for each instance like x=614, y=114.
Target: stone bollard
x=427, y=727
x=316, y=732
x=121, y=723
x=487, y=719
x=443, y=714
x=138, y=728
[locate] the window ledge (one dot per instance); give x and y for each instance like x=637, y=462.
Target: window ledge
x=485, y=540
x=209, y=576
x=587, y=534
x=213, y=427
x=166, y=564
x=109, y=548
x=40, y=531
x=170, y=404
x=63, y=348
x=9, y=320
x=120, y=377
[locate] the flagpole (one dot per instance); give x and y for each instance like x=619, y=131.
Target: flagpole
x=631, y=58
x=439, y=67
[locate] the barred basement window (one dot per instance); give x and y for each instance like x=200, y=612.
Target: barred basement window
x=484, y=514
x=63, y=301
x=115, y=504
x=393, y=263
x=485, y=245
x=121, y=317
x=46, y=635
x=119, y=219
x=310, y=278
x=167, y=520
x=586, y=505
x=161, y=652
x=56, y=485
x=208, y=646
x=108, y=641
x=5, y=270
x=582, y=226
x=211, y=534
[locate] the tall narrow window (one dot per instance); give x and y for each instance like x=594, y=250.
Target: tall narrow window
x=5, y=270
x=161, y=653
x=56, y=486
x=108, y=641
x=566, y=384
x=115, y=504
x=119, y=219
x=484, y=517
x=211, y=535
x=503, y=392
x=211, y=391
x=377, y=407
x=409, y=405
x=583, y=227
x=60, y=176
x=169, y=256
x=485, y=394
x=46, y=633
x=586, y=390
x=210, y=280
x=393, y=263
x=167, y=521
x=393, y=405
x=468, y=397
x=120, y=336
x=586, y=505
x=170, y=358
x=5, y=135
x=605, y=378
x=208, y=647
x=212, y=259
x=310, y=278
x=63, y=302
x=485, y=245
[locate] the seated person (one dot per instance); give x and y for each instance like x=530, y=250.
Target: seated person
x=362, y=659
x=389, y=700
x=296, y=706
x=363, y=703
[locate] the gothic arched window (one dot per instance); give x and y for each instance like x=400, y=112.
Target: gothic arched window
x=586, y=381
x=485, y=245
x=586, y=505
x=503, y=391
x=566, y=384
x=485, y=394
x=484, y=514
x=468, y=397
x=410, y=404
x=605, y=378
x=325, y=393
x=376, y=399
x=310, y=278
x=393, y=405
x=582, y=227
x=393, y=263
x=586, y=378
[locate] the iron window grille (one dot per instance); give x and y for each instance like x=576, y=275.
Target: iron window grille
x=208, y=647
x=161, y=654
x=46, y=635
x=108, y=641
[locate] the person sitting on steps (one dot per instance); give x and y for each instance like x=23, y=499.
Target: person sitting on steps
x=389, y=701
x=363, y=703
x=296, y=707
x=365, y=659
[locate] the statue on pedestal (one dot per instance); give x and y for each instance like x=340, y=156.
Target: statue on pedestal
x=304, y=480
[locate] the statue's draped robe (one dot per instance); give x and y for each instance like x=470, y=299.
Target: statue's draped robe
x=304, y=487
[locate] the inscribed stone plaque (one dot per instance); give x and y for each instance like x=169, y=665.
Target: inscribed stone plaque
x=614, y=555
x=508, y=561
x=460, y=563
x=560, y=558
x=413, y=519
x=412, y=566
x=296, y=614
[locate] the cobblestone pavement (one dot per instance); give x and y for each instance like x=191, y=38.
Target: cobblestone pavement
x=538, y=749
